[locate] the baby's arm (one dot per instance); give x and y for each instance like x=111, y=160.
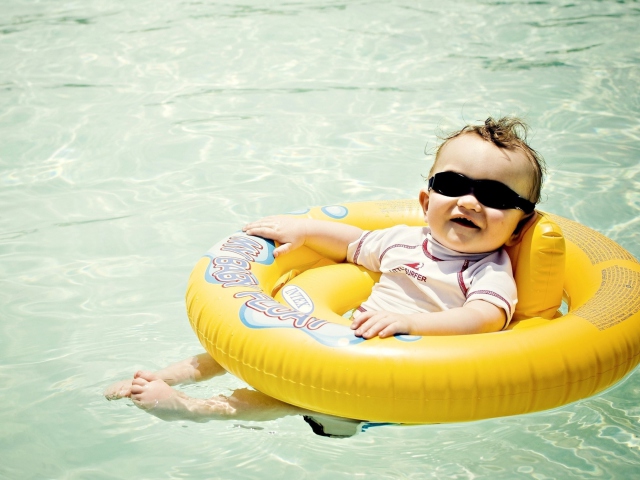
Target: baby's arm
x=330, y=239
x=476, y=316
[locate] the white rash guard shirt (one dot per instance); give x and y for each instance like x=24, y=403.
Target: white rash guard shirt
x=421, y=275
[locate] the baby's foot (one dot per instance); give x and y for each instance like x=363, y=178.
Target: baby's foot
x=122, y=388
x=149, y=392
x=118, y=390
x=153, y=394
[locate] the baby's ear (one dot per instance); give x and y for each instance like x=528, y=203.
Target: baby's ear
x=521, y=228
x=423, y=198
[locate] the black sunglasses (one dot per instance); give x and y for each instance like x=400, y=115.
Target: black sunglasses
x=490, y=193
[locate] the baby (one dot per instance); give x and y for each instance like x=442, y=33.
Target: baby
x=451, y=277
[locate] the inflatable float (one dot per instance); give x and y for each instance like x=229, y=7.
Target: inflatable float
x=279, y=325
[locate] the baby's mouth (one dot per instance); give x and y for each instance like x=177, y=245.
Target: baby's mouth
x=465, y=222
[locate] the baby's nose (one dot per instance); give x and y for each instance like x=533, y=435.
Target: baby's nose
x=470, y=202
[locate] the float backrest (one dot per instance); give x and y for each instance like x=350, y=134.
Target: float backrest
x=538, y=267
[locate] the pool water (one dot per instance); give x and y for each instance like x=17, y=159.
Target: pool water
x=134, y=135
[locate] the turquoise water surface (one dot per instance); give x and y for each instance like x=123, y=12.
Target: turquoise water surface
x=134, y=135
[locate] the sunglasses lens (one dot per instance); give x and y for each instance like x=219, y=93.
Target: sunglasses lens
x=494, y=194
x=451, y=184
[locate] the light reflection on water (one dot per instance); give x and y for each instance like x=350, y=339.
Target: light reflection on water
x=134, y=136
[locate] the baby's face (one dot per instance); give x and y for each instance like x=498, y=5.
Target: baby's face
x=463, y=223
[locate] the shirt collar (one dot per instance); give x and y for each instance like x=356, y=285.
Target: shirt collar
x=439, y=251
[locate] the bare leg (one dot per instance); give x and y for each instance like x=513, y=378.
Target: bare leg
x=151, y=393
x=192, y=369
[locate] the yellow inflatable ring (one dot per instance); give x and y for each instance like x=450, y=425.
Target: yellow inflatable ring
x=278, y=325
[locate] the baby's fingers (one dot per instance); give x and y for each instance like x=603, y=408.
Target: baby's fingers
x=271, y=223
x=266, y=231
x=282, y=249
x=389, y=331
x=360, y=319
x=381, y=324
x=369, y=327
x=370, y=330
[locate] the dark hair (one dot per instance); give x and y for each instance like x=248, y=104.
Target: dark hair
x=509, y=133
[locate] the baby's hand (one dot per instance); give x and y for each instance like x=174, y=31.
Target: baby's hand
x=381, y=323
x=290, y=232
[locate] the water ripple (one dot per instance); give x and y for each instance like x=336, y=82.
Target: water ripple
x=136, y=135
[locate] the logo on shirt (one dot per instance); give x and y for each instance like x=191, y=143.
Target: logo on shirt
x=415, y=266
x=411, y=270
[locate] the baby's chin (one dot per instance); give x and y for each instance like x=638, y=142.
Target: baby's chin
x=460, y=244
